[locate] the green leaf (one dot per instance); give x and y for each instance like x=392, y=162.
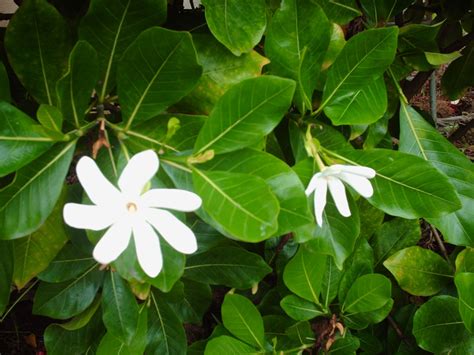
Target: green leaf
x=339, y=11
x=28, y=201
x=6, y=273
x=50, y=117
x=363, y=319
x=441, y=58
x=38, y=44
x=283, y=182
x=465, y=285
x=401, y=187
x=437, y=325
x=300, y=309
x=196, y=301
x=354, y=81
x=459, y=74
x=228, y=266
x=82, y=319
x=368, y=293
x=21, y=139
x=228, y=345
x=303, y=275
x=120, y=309
x=246, y=113
x=243, y=320
x=393, y=236
x=35, y=252
x=329, y=286
x=75, y=88
x=346, y=345
x=465, y=261
x=242, y=204
x=237, y=24
x=69, y=263
x=4, y=84
x=381, y=11
x=420, y=272
x=157, y=69
x=66, y=299
x=296, y=42
x=165, y=331
x=221, y=70
x=111, y=26
x=419, y=138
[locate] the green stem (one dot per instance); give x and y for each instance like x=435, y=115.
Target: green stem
x=397, y=85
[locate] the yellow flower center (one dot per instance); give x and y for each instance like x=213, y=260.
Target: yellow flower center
x=132, y=207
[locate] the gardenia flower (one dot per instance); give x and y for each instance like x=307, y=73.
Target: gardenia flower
x=332, y=177
x=127, y=211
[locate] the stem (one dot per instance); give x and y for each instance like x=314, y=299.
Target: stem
x=440, y=244
x=399, y=88
x=18, y=300
x=433, y=98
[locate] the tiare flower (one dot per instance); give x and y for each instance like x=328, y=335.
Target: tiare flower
x=127, y=211
x=332, y=177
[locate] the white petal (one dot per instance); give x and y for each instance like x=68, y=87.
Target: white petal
x=147, y=245
x=175, y=232
x=358, y=170
x=113, y=242
x=175, y=199
x=97, y=187
x=320, y=198
x=359, y=183
x=87, y=216
x=338, y=192
x=139, y=170
x=312, y=184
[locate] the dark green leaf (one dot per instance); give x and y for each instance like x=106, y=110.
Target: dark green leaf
x=229, y=266
x=459, y=74
x=363, y=319
x=238, y=25
x=6, y=273
x=245, y=114
x=4, y=84
x=414, y=40
x=243, y=320
x=345, y=346
x=465, y=285
x=228, y=345
x=111, y=26
x=38, y=44
x=165, y=63
x=330, y=285
x=50, y=117
x=28, y=201
x=419, y=271
x=339, y=11
x=381, y=11
x=301, y=309
x=196, y=301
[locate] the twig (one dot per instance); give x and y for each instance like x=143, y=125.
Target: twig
x=397, y=329
x=285, y=239
x=440, y=244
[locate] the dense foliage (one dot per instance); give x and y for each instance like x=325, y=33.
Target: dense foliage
x=242, y=108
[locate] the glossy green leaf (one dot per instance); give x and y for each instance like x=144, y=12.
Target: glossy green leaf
x=229, y=266
x=381, y=11
x=283, y=182
x=441, y=58
x=156, y=70
x=300, y=309
x=28, y=201
x=6, y=273
x=465, y=285
x=165, y=331
x=339, y=11
x=35, y=252
x=362, y=320
x=75, y=88
x=371, y=218
x=368, y=293
x=120, y=310
x=400, y=186
x=345, y=345
x=414, y=40
x=459, y=75
x=83, y=318
x=221, y=70
x=419, y=271
x=111, y=26
x=419, y=138
x=437, y=325
x=50, y=117
x=237, y=24
x=21, y=139
x=296, y=42
x=465, y=261
x=196, y=301
x=38, y=44
x=303, y=275
x=245, y=114
x=354, y=80
x=242, y=204
x=330, y=285
x=243, y=320
x=4, y=84
x=228, y=345
x=66, y=299
x=393, y=236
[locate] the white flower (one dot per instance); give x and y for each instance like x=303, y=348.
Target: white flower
x=126, y=211
x=332, y=177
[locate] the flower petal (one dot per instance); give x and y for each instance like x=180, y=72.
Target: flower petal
x=175, y=199
x=312, y=184
x=88, y=216
x=98, y=188
x=338, y=192
x=359, y=183
x=357, y=170
x=113, y=242
x=320, y=198
x=147, y=245
x=175, y=232
x=139, y=170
